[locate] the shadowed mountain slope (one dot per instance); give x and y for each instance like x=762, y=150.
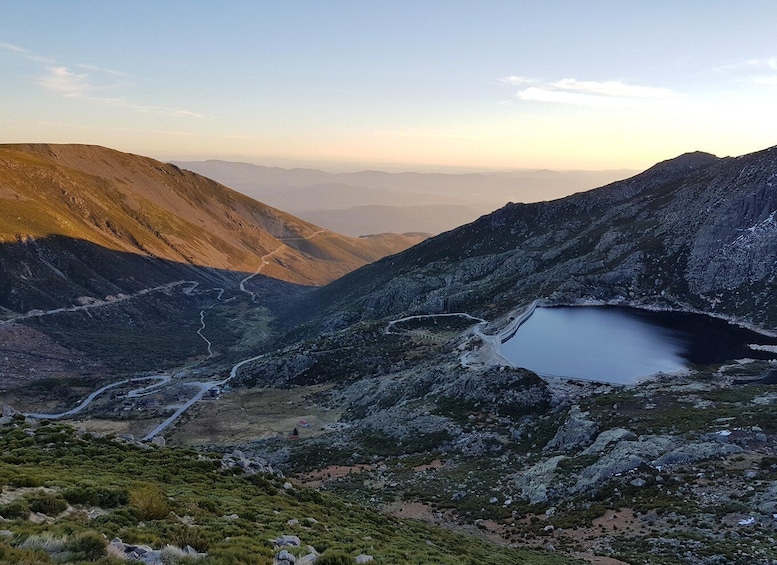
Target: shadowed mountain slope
x=695, y=232
x=54, y=196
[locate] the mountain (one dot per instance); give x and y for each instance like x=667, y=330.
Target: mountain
x=454, y=198
x=696, y=232
x=84, y=220
x=360, y=220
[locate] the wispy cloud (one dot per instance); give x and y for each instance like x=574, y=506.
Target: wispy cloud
x=25, y=53
x=10, y=47
x=761, y=71
x=611, y=93
x=64, y=82
x=758, y=63
x=93, y=84
x=106, y=71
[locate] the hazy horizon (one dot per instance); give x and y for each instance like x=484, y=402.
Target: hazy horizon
x=442, y=86
x=345, y=167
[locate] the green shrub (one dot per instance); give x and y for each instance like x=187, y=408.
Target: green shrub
x=49, y=504
x=15, y=509
x=335, y=558
x=237, y=556
x=188, y=535
x=150, y=500
x=26, y=481
x=97, y=496
x=10, y=554
x=88, y=546
x=209, y=505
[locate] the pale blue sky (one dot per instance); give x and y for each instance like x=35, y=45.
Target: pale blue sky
x=511, y=84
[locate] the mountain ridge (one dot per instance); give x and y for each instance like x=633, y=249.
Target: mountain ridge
x=669, y=237
x=134, y=204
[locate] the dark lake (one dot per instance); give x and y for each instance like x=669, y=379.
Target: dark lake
x=620, y=345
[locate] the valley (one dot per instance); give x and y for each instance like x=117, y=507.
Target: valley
x=389, y=388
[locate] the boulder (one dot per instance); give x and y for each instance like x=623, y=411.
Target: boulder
x=624, y=457
x=282, y=541
x=285, y=558
x=608, y=437
x=533, y=482
x=574, y=433
x=695, y=452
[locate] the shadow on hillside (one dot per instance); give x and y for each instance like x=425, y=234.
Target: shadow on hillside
x=132, y=312
x=57, y=271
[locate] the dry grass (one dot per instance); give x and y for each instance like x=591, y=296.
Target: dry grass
x=255, y=414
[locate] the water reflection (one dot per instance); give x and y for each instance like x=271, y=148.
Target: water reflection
x=620, y=345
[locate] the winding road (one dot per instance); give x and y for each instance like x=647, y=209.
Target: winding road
x=264, y=260
x=493, y=342
x=162, y=379
x=96, y=303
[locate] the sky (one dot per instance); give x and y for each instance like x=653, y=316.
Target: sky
x=421, y=85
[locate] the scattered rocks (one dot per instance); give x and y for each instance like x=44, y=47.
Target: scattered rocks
x=625, y=456
x=146, y=554
x=364, y=558
x=249, y=465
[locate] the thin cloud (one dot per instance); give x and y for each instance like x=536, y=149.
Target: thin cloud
x=759, y=63
x=90, y=83
x=101, y=70
x=758, y=72
x=66, y=83
x=763, y=63
x=25, y=53
x=519, y=80
x=570, y=91
x=613, y=88
x=10, y=47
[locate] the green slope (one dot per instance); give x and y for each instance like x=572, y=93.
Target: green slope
x=159, y=496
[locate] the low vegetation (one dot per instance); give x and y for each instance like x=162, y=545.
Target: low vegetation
x=66, y=494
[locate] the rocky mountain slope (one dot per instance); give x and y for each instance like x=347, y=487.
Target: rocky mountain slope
x=695, y=232
x=89, y=221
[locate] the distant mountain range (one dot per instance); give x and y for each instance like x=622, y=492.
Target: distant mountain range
x=373, y=201
x=692, y=233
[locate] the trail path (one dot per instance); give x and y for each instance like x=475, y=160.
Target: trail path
x=202, y=320
x=163, y=379
x=96, y=303
x=203, y=388
x=491, y=352
x=264, y=260
x=425, y=316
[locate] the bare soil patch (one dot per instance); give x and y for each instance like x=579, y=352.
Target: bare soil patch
x=249, y=415
x=316, y=479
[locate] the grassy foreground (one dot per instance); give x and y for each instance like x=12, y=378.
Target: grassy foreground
x=64, y=494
